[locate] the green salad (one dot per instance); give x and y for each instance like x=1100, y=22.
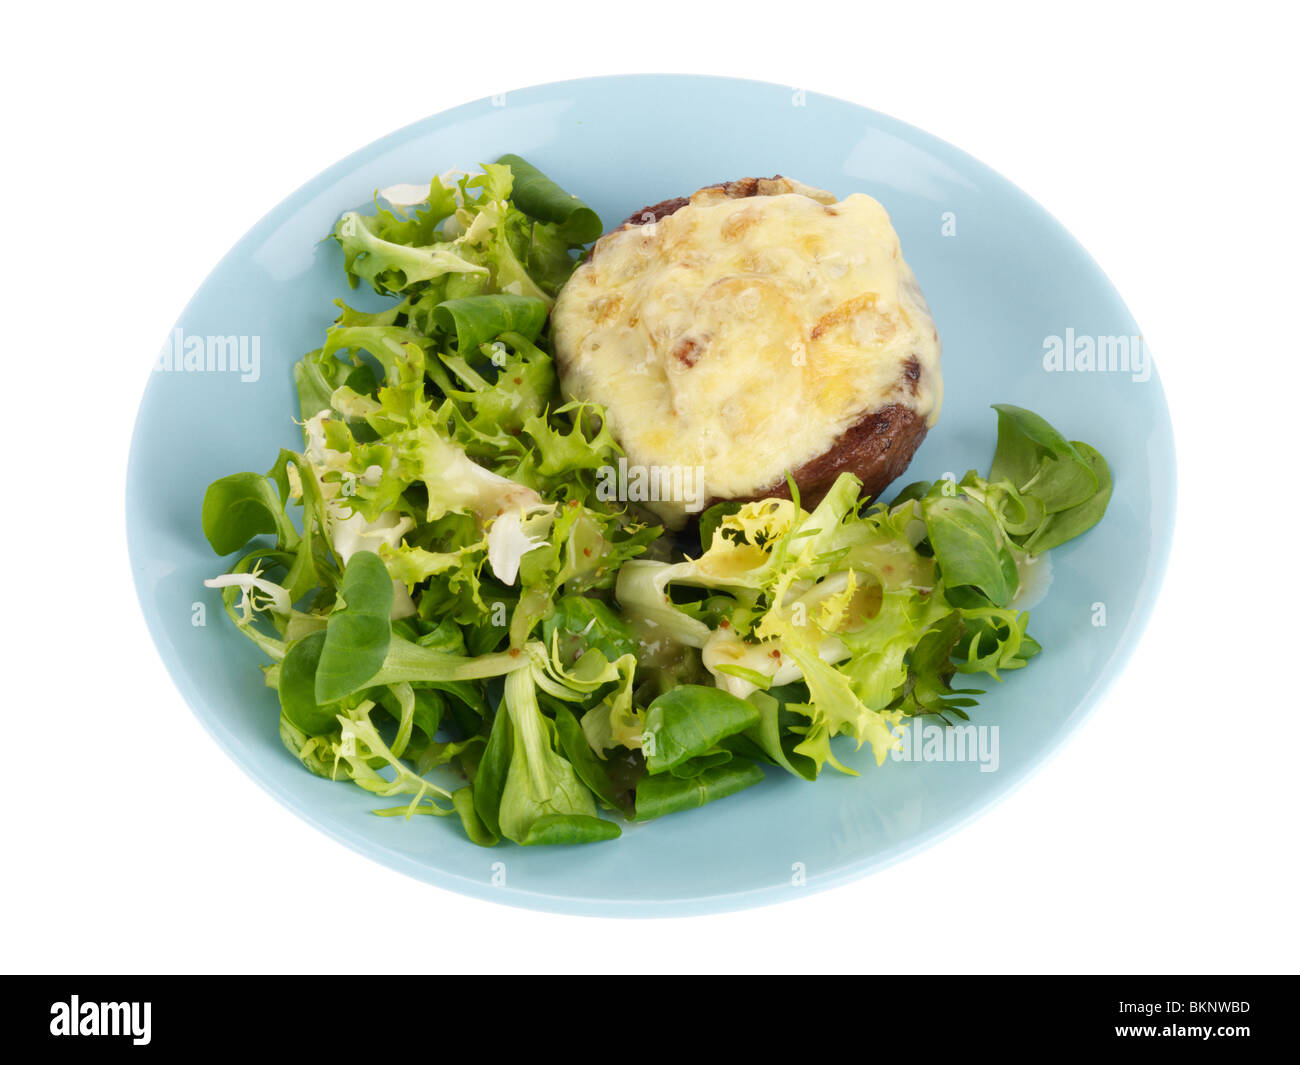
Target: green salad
x=455, y=620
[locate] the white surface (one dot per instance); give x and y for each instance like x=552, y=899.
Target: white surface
x=142, y=144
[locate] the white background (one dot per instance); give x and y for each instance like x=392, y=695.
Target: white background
x=142, y=143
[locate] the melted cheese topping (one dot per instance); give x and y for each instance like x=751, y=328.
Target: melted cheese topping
x=742, y=337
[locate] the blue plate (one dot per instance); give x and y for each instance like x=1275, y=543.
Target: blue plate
x=1019, y=305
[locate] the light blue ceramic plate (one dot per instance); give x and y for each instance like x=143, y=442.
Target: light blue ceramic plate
x=1002, y=277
